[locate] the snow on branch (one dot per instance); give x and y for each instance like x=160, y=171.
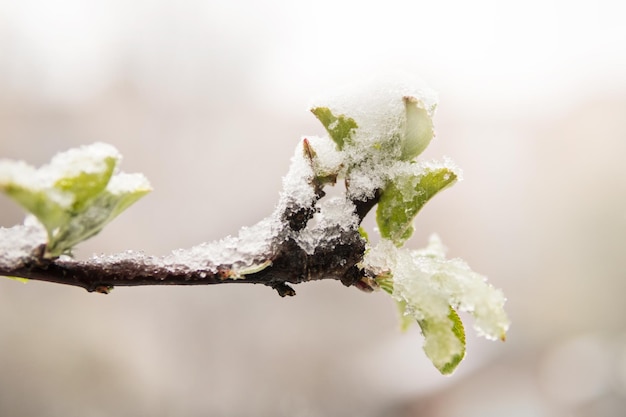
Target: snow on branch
x=374, y=138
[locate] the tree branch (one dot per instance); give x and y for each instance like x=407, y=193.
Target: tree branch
x=335, y=257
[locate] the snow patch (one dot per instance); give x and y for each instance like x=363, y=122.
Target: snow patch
x=18, y=243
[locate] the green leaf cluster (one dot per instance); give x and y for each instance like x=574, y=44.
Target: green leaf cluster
x=408, y=187
x=75, y=196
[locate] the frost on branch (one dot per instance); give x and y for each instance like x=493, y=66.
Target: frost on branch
x=20, y=243
x=374, y=136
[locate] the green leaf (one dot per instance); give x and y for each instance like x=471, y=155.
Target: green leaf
x=81, y=226
x=339, y=128
x=403, y=198
x=419, y=129
x=48, y=210
x=444, y=341
x=444, y=337
x=85, y=186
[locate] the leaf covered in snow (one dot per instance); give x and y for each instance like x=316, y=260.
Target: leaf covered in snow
x=75, y=195
x=404, y=197
x=339, y=128
x=429, y=290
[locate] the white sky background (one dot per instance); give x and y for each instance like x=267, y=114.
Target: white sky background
x=485, y=51
x=187, y=90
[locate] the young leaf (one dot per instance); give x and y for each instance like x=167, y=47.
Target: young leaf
x=75, y=195
x=47, y=206
x=85, y=186
x=419, y=129
x=338, y=127
x=403, y=198
x=56, y=191
x=444, y=341
x=430, y=289
x=104, y=208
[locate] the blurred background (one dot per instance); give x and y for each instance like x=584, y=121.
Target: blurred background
x=209, y=99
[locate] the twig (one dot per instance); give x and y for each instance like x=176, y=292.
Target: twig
x=335, y=257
